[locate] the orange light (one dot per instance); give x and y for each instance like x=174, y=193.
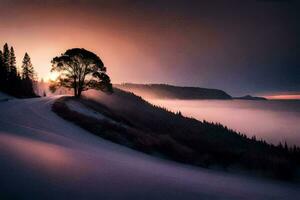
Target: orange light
x=284, y=97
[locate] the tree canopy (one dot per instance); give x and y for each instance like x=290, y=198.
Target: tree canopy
x=80, y=70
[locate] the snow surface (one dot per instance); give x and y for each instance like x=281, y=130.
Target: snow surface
x=44, y=157
x=78, y=107
x=4, y=97
x=82, y=109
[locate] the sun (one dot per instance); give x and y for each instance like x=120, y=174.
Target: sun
x=52, y=76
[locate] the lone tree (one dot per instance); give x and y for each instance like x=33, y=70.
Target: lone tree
x=80, y=70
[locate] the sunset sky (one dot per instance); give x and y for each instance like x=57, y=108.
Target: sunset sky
x=242, y=47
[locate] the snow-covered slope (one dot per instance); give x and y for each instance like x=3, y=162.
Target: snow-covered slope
x=4, y=97
x=80, y=108
x=44, y=157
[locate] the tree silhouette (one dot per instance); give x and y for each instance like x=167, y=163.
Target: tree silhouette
x=11, y=81
x=27, y=76
x=27, y=68
x=80, y=70
x=12, y=63
x=6, y=55
x=12, y=78
x=3, y=72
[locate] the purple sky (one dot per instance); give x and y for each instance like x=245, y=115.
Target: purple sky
x=240, y=46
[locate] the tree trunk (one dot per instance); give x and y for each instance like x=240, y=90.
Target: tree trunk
x=79, y=93
x=75, y=92
x=75, y=88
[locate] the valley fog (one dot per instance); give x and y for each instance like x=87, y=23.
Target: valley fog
x=273, y=121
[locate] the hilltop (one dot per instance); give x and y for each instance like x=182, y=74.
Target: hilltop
x=249, y=97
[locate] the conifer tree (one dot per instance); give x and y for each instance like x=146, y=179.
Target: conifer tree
x=6, y=56
x=2, y=72
x=11, y=80
x=1, y=58
x=13, y=84
x=6, y=66
x=12, y=64
x=27, y=68
x=27, y=76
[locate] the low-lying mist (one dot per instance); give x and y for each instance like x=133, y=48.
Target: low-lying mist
x=274, y=121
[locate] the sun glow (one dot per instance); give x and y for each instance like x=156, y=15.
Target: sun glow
x=52, y=76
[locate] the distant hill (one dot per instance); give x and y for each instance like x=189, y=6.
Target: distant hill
x=164, y=91
x=249, y=97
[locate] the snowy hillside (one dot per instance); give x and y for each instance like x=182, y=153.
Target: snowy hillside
x=4, y=97
x=44, y=157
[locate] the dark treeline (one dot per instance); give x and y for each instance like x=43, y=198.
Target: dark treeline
x=12, y=81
